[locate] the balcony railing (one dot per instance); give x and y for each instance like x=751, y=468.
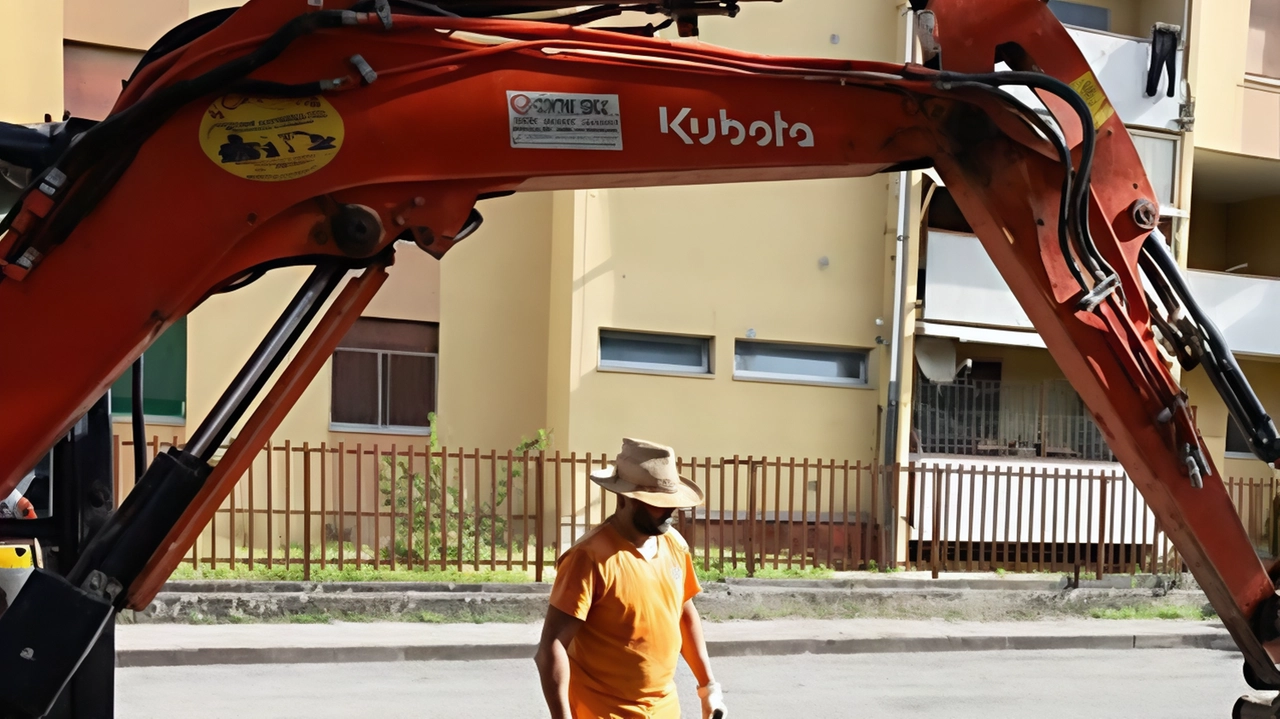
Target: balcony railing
x=1243, y=307
x=963, y=286
x=1120, y=63
x=1005, y=419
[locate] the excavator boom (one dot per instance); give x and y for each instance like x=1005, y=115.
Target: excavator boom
x=286, y=134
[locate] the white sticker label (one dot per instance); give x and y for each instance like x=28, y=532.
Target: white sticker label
x=564, y=121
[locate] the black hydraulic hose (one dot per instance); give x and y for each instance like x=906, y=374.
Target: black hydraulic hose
x=1064, y=156
x=155, y=110
x=100, y=156
x=1219, y=363
x=1093, y=260
x=1096, y=264
x=181, y=35
x=139, y=423
x=1161, y=285
x=430, y=8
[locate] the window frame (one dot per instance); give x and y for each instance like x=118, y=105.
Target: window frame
x=705, y=342
x=1269, y=81
x=381, y=428
x=1095, y=8
x=161, y=420
x=1176, y=182
x=802, y=379
x=1228, y=453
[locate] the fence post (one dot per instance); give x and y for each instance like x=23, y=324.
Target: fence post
x=540, y=510
x=1044, y=419
x=306, y=511
x=751, y=516
x=937, y=521
x=115, y=469
x=1104, y=488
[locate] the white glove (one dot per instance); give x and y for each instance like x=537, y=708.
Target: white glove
x=713, y=702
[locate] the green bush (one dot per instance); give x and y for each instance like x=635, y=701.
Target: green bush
x=717, y=571
x=464, y=537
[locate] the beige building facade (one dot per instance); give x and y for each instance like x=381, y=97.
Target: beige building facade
x=750, y=319
x=1211, y=146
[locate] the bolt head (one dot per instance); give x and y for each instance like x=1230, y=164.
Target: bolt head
x=1145, y=214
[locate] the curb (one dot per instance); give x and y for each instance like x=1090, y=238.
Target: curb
x=136, y=658
x=717, y=603
x=222, y=586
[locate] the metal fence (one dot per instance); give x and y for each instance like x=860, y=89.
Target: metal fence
x=1257, y=501
x=412, y=507
x=396, y=506
x=970, y=517
x=1012, y=419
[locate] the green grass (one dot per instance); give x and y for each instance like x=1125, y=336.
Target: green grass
x=717, y=572
x=421, y=617
x=1166, y=612
x=295, y=573
x=310, y=618
x=331, y=550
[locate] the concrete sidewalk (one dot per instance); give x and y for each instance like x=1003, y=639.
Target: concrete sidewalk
x=179, y=645
x=974, y=597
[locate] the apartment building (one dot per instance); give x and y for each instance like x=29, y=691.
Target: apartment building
x=750, y=319
x=1233, y=254
x=985, y=385
x=74, y=55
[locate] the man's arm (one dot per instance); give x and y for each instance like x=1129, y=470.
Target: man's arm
x=558, y=630
x=694, y=650
x=694, y=647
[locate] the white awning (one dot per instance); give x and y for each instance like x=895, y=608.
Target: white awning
x=981, y=335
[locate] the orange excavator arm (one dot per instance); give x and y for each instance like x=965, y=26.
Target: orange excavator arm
x=289, y=134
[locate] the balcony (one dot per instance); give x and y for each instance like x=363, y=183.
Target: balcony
x=1120, y=63
x=1243, y=307
x=966, y=298
x=1005, y=419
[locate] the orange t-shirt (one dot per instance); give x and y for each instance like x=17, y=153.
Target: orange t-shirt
x=622, y=662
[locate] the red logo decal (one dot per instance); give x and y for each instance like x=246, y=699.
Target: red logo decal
x=521, y=104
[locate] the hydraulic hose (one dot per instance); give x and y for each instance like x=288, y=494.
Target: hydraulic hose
x=1219, y=363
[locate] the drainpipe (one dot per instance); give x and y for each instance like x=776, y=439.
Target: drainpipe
x=893, y=413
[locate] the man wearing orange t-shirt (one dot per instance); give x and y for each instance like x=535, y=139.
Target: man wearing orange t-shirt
x=622, y=609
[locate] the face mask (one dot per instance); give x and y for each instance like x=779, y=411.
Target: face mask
x=646, y=524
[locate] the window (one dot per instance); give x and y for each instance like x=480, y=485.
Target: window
x=164, y=378
x=1159, y=154
x=9, y=194
x=803, y=364
x=384, y=376
x=1263, y=51
x=1081, y=15
x=1237, y=445
x=667, y=354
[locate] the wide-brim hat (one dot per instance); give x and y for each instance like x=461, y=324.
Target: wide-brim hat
x=647, y=472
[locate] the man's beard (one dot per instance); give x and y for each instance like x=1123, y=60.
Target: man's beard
x=645, y=523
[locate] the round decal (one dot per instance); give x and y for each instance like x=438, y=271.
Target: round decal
x=271, y=139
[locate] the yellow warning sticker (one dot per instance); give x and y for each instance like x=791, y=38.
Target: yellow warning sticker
x=15, y=557
x=1089, y=89
x=271, y=139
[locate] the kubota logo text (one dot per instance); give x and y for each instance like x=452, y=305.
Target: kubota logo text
x=708, y=130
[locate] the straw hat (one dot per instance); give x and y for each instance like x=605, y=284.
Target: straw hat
x=647, y=472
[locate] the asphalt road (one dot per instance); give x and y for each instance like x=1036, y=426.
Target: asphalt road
x=1125, y=684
